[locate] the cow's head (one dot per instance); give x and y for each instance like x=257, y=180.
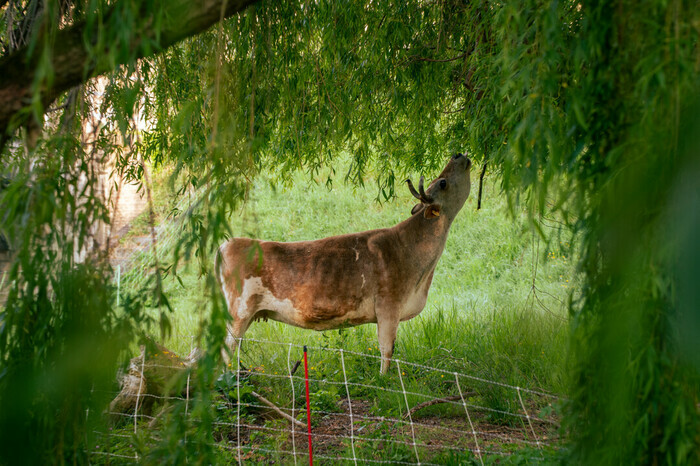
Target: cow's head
x=447, y=193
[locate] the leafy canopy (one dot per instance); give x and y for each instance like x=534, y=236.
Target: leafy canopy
x=585, y=108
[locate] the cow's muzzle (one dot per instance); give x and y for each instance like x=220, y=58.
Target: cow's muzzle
x=459, y=156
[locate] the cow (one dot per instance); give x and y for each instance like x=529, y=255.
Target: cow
x=377, y=276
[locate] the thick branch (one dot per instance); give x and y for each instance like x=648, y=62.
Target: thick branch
x=73, y=63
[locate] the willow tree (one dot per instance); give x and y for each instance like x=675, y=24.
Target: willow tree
x=61, y=333
x=584, y=108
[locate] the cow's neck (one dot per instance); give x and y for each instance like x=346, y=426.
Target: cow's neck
x=425, y=237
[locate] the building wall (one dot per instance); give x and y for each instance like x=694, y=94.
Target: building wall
x=130, y=204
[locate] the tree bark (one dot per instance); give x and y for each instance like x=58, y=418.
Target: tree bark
x=72, y=63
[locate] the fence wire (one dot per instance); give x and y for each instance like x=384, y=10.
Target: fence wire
x=414, y=415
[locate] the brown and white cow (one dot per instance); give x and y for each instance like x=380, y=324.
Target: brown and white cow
x=380, y=276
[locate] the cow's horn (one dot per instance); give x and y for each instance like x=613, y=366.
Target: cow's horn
x=413, y=190
x=423, y=197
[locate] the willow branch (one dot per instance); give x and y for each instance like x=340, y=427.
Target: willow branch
x=417, y=58
x=72, y=62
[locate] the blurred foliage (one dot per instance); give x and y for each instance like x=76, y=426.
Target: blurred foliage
x=582, y=107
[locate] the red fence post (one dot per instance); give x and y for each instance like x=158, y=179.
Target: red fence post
x=308, y=406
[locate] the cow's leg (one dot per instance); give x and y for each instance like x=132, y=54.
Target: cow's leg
x=386, y=332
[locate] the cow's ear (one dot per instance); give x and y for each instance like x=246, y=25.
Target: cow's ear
x=431, y=211
x=416, y=208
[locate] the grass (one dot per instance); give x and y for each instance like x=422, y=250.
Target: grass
x=481, y=302
x=482, y=317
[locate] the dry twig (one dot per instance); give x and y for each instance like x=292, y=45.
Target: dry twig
x=276, y=409
x=447, y=399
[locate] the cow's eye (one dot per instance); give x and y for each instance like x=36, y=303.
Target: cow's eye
x=443, y=184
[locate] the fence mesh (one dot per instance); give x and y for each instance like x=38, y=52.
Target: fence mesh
x=414, y=415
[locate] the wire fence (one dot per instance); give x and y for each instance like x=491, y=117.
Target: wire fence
x=416, y=414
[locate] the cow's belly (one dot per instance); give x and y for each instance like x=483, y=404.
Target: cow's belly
x=413, y=305
x=258, y=302
x=362, y=315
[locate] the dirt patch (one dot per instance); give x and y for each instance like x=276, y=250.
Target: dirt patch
x=377, y=437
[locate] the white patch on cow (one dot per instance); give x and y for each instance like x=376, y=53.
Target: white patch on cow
x=283, y=309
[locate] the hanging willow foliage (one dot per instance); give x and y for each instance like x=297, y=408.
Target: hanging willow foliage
x=586, y=108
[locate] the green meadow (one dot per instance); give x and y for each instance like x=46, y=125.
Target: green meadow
x=497, y=311
x=499, y=295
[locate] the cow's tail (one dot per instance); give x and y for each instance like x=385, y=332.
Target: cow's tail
x=218, y=263
x=224, y=298
x=218, y=260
